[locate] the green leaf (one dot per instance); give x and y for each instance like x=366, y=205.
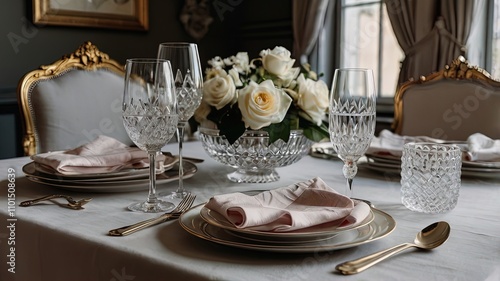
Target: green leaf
x=231, y=125
x=217, y=115
x=314, y=132
x=278, y=131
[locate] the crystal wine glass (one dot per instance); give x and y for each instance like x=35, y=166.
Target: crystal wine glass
x=352, y=117
x=150, y=117
x=186, y=65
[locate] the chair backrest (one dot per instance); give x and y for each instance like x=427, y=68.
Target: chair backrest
x=72, y=101
x=451, y=104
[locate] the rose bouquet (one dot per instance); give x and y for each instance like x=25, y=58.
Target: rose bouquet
x=266, y=93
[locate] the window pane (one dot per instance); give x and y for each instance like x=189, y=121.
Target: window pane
x=358, y=2
x=495, y=56
x=392, y=55
x=368, y=41
x=360, y=37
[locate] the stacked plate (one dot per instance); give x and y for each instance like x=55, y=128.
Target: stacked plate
x=118, y=181
x=209, y=225
x=388, y=163
x=392, y=164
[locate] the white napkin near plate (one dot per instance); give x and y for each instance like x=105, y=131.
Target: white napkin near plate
x=103, y=155
x=482, y=148
x=289, y=208
x=388, y=143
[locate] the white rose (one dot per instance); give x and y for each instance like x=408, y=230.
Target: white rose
x=262, y=104
x=219, y=91
x=240, y=62
x=293, y=94
x=213, y=72
x=313, y=98
x=277, y=61
x=288, y=78
x=233, y=72
x=216, y=62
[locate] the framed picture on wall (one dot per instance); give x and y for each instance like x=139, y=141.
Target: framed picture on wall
x=115, y=14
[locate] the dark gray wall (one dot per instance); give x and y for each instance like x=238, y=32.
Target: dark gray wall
x=239, y=25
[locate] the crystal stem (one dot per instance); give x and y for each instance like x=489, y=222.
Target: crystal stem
x=180, y=136
x=348, y=191
x=349, y=170
x=152, y=199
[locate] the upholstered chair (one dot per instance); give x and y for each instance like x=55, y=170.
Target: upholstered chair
x=71, y=101
x=451, y=104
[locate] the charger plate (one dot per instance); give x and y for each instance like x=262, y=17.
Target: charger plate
x=113, y=183
x=381, y=226
x=391, y=164
x=305, y=234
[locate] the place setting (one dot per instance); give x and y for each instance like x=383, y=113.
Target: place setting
x=303, y=217
x=103, y=165
x=151, y=112
x=480, y=155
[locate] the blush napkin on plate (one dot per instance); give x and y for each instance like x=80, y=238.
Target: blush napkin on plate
x=478, y=146
x=289, y=208
x=103, y=155
x=483, y=148
x=388, y=143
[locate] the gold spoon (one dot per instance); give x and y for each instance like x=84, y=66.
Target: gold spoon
x=429, y=238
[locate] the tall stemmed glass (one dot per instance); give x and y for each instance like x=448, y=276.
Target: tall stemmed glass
x=186, y=65
x=352, y=117
x=150, y=117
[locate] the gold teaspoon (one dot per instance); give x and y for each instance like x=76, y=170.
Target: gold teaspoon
x=428, y=238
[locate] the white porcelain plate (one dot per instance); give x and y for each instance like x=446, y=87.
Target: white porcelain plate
x=469, y=169
x=121, y=183
x=381, y=226
x=306, y=234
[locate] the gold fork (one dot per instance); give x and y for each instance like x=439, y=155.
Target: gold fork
x=185, y=204
x=72, y=203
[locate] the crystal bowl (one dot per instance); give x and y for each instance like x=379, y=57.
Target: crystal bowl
x=253, y=157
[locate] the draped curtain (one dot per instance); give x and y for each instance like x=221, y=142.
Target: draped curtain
x=431, y=33
x=308, y=18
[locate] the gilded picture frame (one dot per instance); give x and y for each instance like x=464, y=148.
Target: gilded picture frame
x=113, y=14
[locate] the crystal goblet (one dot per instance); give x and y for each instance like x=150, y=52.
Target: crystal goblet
x=149, y=113
x=352, y=117
x=185, y=63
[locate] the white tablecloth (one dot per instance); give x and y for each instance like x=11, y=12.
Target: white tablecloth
x=53, y=243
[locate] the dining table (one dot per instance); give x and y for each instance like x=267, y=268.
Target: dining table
x=47, y=242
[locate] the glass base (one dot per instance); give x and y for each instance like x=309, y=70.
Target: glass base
x=173, y=195
x=254, y=176
x=145, y=207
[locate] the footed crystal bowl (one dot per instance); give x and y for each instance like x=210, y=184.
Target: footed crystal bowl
x=253, y=157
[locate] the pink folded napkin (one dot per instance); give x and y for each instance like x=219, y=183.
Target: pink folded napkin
x=290, y=208
x=482, y=148
x=478, y=147
x=103, y=155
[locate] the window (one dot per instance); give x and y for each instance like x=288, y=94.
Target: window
x=495, y=40
x=368, y=41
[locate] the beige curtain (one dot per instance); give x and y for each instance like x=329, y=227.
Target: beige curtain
x=431, y=33
x=308, y=18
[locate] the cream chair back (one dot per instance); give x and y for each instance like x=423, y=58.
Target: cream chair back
x=451, y=104
x=72, y=101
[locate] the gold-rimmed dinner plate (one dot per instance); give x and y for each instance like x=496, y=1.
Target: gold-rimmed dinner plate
x=123, y=174
x=381, y=226
x=305, y=234
x=389, y=165
x=481, y=164
x=392, y=159
x=111, y=184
